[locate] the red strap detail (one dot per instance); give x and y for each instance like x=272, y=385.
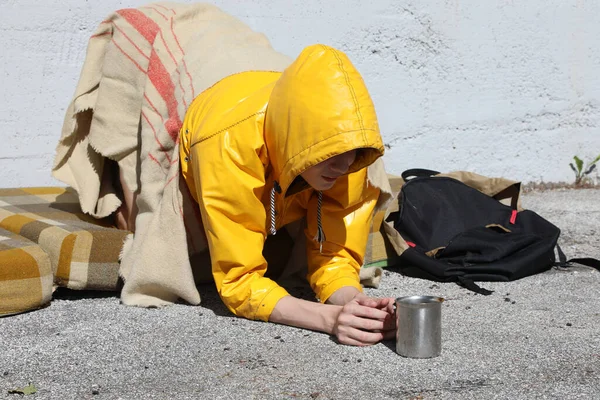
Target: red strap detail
x=513, y=217
x=411, y=244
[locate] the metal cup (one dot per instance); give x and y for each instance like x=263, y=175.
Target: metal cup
x=419, y=326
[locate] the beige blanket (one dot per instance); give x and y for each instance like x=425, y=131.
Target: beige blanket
x=142, y=69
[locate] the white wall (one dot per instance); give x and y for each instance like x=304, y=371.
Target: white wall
x=500, y=87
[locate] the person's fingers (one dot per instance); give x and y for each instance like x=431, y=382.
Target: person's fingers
x=382, y=304
x=385, y=303
x=358, y=322
x=365, y=311
x=366, y=301
x=366, y=321
x=351, y=342
x=390, y=304
x=359, y=337
x=391, y=307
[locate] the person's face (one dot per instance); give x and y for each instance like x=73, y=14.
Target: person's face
x=323, y=175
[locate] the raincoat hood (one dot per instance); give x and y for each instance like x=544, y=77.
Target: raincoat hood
x=319, y=108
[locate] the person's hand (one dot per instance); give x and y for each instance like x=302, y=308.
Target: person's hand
x=365, y=321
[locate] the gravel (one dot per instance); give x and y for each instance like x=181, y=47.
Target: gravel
x=533, y=338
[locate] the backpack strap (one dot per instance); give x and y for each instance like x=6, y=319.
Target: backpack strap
x=564, y=263
x=418, y=173
x=469, y=284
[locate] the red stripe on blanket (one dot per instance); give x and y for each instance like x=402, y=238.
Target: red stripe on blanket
x=107, y=29
x=157, y=73
x=150, y=156
x=156, y=11
x=144, y=25
x=162, y=82
x=154, y=108
x=165, y=8
x=160, y=145
x=183, y=58
x=128, y=56
x=162, y=37
x=185, y=104
x=101, y=34
x=131, y=41
x=171, y=180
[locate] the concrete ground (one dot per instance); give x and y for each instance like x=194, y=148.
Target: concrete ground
x=535, y=338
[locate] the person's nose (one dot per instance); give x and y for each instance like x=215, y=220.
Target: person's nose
x=342, y=163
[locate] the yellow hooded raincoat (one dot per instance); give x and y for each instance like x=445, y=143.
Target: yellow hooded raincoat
x=244, y=143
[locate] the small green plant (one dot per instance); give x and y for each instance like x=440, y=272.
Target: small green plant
x=581, y=173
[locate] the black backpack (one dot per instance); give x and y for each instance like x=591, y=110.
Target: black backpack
x=456, y=233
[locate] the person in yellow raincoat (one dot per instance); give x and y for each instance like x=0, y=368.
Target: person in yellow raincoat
x=262, y=149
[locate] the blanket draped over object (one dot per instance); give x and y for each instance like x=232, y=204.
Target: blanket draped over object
x=142, y=69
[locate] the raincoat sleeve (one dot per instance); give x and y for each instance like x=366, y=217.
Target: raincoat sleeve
x=346, y=216
x=229, y=180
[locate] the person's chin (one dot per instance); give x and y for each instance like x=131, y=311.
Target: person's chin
x=326, y=186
